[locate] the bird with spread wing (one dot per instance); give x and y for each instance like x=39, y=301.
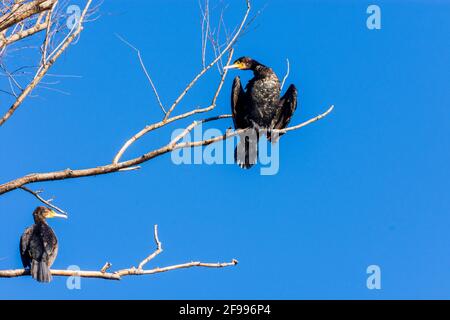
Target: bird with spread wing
x=258, y=107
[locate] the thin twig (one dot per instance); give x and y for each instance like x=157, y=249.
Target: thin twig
x=287, y=73
x=205, y=31
x=47, y=33
x=22, y=34
x=162, y=123
x=304, y=124
x=158, y=250
x=219, y=56
x=107, y=266
x=44, y=68
x=46, y=202
x=145, y=71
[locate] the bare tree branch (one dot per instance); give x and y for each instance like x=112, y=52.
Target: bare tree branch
x=155, y=253
x=47, y=64
x=48, y=33
x=219, y=56
x=205, y=30
x=115, y=167
x=23, y=11
x=162, y=123
x=141, y=61
x=304, y=124
x=288, y=68
x=118, y=275
x=46, y=202
x=22, y=34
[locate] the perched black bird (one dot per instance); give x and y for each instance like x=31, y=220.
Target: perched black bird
x=258, y=107
x=39, y=245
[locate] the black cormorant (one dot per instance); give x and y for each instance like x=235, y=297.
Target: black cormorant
x=258, y=106
x=39, y=245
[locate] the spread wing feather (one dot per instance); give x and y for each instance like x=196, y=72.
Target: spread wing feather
x=238, y=104
x=288, y=104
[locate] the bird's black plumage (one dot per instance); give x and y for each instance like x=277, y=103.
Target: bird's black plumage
x=258, y=106
x=39, y=245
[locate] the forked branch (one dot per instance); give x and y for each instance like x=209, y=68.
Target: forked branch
x=115, y=167
x=213, y=63
x=49, y=61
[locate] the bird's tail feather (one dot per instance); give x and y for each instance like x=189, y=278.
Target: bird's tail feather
x=40, y=271
x=246, y=152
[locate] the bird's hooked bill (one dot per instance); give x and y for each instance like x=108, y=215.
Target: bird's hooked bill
x=57, y=215
x=233, y=66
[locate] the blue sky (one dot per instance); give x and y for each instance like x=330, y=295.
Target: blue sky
x=367, y=185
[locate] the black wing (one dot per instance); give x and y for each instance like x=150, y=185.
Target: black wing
x=288, y=104
x=238, y=104
x=24, y=247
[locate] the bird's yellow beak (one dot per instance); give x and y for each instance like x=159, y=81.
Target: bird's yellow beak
x=239, y=66
x=53, y=214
